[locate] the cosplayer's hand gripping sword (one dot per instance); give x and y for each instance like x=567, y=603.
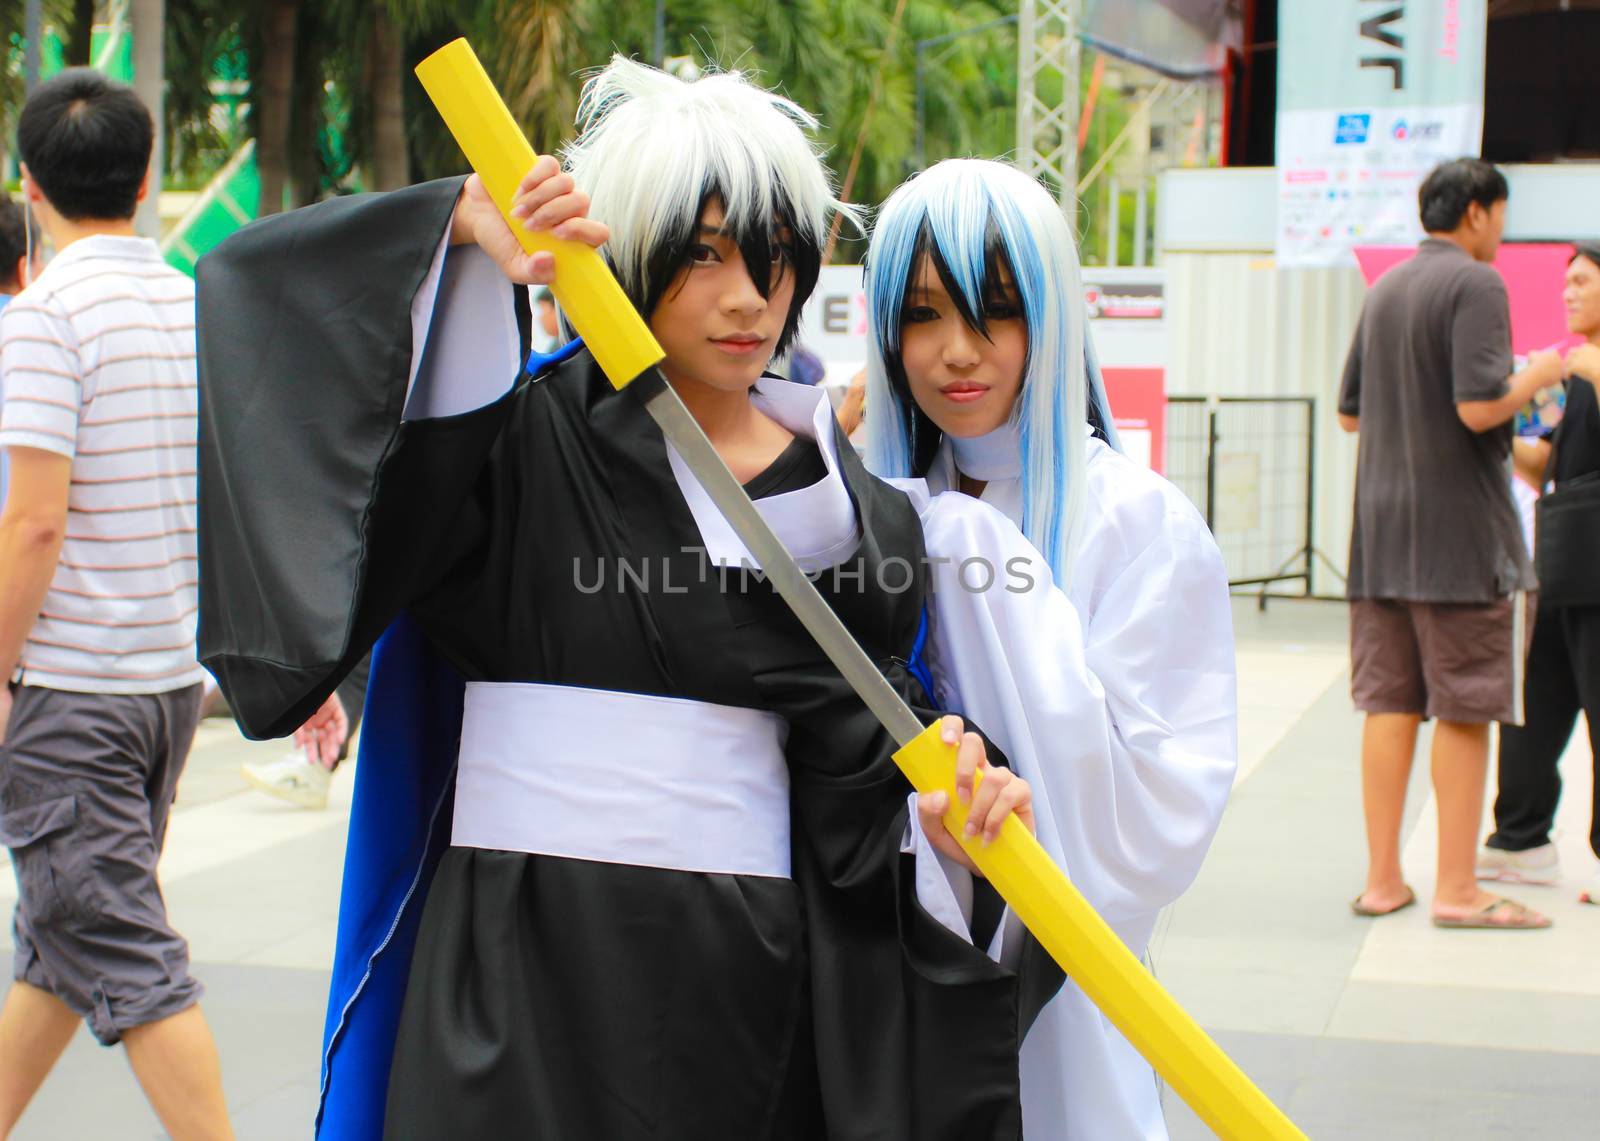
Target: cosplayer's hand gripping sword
x=1021, y=871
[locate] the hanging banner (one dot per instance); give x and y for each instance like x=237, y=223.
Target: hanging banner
x=1184, y=39
x=1372, y=94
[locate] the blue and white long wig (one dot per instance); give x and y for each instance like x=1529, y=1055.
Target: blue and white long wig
x=969, y=215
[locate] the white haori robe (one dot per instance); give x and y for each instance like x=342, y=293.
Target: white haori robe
x=1117, y=700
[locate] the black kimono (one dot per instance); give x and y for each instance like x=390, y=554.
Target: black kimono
x=553, y=996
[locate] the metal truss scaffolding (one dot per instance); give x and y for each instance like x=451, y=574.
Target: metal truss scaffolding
x=1047, y=94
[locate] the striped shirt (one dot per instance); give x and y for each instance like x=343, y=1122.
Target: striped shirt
x=97, y=363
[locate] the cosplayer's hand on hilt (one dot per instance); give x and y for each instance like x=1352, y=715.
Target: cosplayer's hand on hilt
x=991, y=795
x=590, y=298
x=546, y=202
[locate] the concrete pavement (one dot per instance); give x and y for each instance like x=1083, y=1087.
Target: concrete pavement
x=1359, y=1028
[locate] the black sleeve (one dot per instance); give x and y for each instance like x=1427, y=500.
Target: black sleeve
x=1480, y=339
x=320, y=512
x=1350, y=382
x=918, y=1031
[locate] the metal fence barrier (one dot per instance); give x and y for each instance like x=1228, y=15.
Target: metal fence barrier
x=1249, y=464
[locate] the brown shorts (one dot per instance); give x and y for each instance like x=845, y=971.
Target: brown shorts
x=1454, y=662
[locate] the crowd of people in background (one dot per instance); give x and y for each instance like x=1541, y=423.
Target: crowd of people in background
x=1443, y=594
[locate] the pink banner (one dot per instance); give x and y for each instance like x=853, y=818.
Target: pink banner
x=1535, y=274
x=1138, y=398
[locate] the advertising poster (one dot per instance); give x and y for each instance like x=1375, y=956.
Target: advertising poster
x=1372, y=94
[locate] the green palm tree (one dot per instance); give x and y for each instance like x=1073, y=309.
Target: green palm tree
x=828, y=55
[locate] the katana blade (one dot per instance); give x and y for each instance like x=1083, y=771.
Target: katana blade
x=774, y=559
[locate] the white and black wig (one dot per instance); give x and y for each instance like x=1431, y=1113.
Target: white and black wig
x=653, y=150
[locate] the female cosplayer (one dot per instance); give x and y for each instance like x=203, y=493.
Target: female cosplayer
x=617, y=934
x=1108, y=676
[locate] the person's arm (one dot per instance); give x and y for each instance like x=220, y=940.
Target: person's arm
x=1583, y=361
x=39, y=429
x=466, y=310
x=1350, y=382
x=1480, y=356
x=1531, y=457
x=1542, y=370
x=32, y=527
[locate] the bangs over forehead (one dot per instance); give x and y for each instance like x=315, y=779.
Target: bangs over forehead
x=653, y=151
x=995, y=282
x=980, y=244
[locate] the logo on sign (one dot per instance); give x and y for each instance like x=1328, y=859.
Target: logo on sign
x=1352, y=129
x=1417, y=132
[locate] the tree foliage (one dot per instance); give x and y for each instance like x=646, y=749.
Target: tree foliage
x=826, y=54
x=343, y=110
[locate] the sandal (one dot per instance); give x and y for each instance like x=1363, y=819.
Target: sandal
x=1501, y=915
x=1366, y=912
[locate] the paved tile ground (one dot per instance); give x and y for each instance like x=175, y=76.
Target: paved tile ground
x=1360, y=1029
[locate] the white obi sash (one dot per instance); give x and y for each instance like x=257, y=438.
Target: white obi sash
x=623, y=778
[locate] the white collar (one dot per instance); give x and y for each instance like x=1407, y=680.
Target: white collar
x=995, y=455
x=130, y=246
x=817, y=523
x=989, y=458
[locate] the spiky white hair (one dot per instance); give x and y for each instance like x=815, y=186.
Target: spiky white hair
x=650, y=148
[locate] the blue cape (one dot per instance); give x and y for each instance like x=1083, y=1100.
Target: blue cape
x=399, y=827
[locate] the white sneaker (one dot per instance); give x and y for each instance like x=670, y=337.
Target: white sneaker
x=293, y=778
x=1536, y=865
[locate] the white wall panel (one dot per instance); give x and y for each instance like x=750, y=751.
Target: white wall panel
x=1240, y=327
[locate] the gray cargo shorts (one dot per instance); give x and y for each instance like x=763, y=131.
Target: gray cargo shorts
x=86, y=785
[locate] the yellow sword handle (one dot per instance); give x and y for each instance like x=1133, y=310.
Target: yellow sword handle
x=590, y=297
x=1097, y=959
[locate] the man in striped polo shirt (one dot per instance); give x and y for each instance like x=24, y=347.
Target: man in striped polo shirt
x=97, y=615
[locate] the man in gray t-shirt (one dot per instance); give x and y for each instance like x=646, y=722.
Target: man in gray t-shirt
x=1439, y=574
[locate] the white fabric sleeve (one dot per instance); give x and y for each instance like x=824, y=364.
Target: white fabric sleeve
x=41, y=376
x=1126, y=728
x=467, y=347
x=945, y=888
